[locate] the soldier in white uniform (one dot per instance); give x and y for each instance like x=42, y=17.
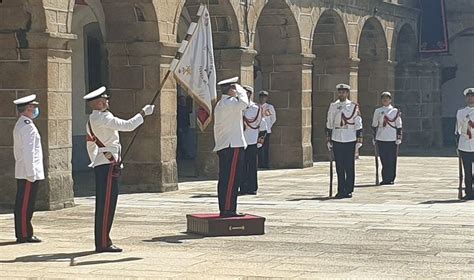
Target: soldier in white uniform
x=230, y=143
x=344, y=135
x=269, y=116
x=28, y=167
x=387, y=127
x=253, y=123
x=464, y=134
x=103, y=145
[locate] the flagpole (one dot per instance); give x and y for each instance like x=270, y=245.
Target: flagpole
x=174, y=63
x=158, y=92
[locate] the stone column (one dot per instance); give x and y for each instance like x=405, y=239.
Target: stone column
x=135, y=72
x=229, y=63
x=288, y=78
x=43, y=67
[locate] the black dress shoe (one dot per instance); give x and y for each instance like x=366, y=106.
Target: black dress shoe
x=339, y=196
x=252, y=193
x=349, y=195
x=228, y=214
x=111, y=249
x=383, y=183
x=19, y=240
x=33, y=239
x=467, y=197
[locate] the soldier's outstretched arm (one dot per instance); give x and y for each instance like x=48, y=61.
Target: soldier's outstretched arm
x=130, y=124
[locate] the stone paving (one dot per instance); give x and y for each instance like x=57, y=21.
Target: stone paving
x=415, y=229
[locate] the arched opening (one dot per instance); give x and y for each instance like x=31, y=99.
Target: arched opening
x=194, y=149
x=373, y=73
x=89, y=72
x=331, y=67
x=457, y=69
x=409, y=96
x=279, y=70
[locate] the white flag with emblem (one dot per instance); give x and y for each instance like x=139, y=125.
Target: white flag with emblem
x=194, y=67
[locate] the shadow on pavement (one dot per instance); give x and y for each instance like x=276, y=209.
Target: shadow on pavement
x=443, y=201
x=176, y=239
x=324, y=198
x=8, y=243
x=367, y=186
x=203, y=195
x=70, y=257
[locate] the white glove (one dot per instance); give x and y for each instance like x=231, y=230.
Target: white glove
x=148, y=109
x=30, y=179
x=329, y=146
x=398, y=142
x=358, y=145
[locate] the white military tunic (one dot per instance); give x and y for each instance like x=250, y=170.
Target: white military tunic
x=269, y=115
x=27, y=150
x=106, y=127
x=465, y=128
x=228, y=124
x=344, y=120
x=387, y=120
x=253, y=123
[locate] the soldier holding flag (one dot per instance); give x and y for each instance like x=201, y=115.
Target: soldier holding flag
x=103, y=146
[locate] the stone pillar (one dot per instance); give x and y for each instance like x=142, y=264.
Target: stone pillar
x=229, y=63
x=42, y=66
x=418, y=96
x=135, y=72
x=288, y=78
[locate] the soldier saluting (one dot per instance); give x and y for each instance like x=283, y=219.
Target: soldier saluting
x=28, y=167
x=230, y=144
x=344, y=135
x=464, y=134
x=387, y=127
x=103, y=146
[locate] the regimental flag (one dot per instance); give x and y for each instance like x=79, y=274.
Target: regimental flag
x=194, y=68
x=434, y=32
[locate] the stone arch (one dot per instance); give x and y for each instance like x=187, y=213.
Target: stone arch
x=408, y=96
x=230, y=60
x=331, y=66
x=89, y=72
x=374, y=72
x=224, y=22
x=285, y=73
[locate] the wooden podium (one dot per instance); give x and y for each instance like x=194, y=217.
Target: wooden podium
x=214, y=225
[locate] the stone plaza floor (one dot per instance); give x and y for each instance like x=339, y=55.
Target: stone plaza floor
x=416, y=229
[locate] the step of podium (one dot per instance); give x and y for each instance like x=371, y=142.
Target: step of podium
x=214, y=225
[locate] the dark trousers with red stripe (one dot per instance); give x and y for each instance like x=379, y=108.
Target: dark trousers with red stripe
x=249, y=174
x=106, y=195
x=24, y=208
x=230, y=169
x=388, y=157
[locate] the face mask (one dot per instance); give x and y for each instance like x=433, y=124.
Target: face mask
x=36, y=113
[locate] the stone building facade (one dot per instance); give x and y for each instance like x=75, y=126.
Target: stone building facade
x=298, y=50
